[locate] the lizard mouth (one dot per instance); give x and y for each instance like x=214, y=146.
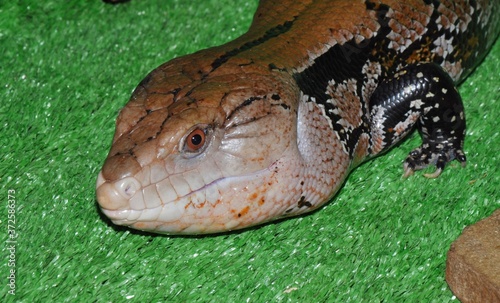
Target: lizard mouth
x=207, y=209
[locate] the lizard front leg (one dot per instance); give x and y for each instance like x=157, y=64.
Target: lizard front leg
x=423, y=96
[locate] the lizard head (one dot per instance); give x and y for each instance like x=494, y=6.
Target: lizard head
x=196, y=154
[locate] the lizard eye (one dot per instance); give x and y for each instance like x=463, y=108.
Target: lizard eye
x=196, y=140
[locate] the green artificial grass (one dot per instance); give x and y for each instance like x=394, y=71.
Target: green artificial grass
x=69, y=66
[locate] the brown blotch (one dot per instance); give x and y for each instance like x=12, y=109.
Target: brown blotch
x=120, y=166
x=243, y=212
x=262, y=201
x=347, y=102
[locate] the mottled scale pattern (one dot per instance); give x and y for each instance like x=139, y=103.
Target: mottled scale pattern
x=270, y=125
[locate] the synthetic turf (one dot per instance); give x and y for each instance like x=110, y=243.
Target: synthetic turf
x=67, y=68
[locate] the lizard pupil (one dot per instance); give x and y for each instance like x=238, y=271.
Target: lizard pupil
x=196, y=139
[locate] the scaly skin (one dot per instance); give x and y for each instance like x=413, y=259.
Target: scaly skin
x=270, y=124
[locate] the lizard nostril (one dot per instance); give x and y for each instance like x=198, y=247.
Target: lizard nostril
x=127, y=187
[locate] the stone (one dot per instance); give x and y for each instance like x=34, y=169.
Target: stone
x=473, y=262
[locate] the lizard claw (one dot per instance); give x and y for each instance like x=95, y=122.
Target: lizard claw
x=424, y=156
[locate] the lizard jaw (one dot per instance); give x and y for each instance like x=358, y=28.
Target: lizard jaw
x=224, y=204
